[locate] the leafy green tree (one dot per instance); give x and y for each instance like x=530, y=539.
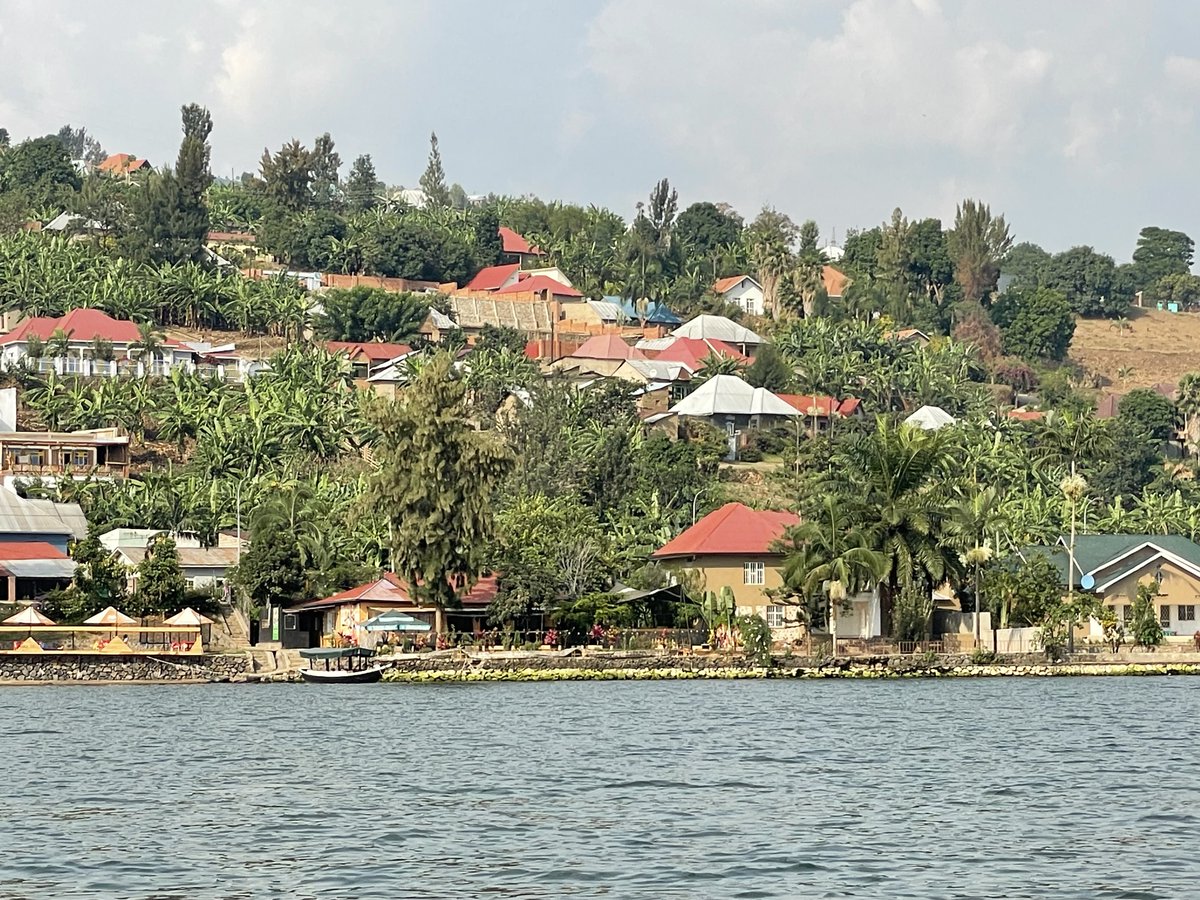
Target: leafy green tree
x=831, y=558
x=287, y=177
x=1025, y=264
x=930, y=267
x=769, y=369
x=100, y=579
x=326, y=163
x=1133, y=460
x=489, y=249
x=367, y=314
x=1161, y=252
x=362, y=185
x=1090, y=282
x=861, y=253
x=501, y=337
x=160, y=582
x=1040, y=324
x=1149, y=413
x=705, y=230
x=433, y=181
x=81, y=145
x=434, y=484
x=977, y=244
x=1020, y=591
x=550, y=552
x=40, y=169
x=1181, y=288
x=272, y=571
x=1144, y=622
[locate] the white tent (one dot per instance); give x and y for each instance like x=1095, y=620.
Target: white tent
x=717, y=328
x=728, y=395
x=930, y=418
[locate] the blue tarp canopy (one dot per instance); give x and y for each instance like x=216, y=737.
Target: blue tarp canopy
x=395, y=621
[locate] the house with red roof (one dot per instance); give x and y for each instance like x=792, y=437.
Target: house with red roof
x=739, y=548
x=123, y=165
x=366, y=356
x=599, y=355
x=93, y=343
x=692, y=352
x=512, y=279
x=515, y=245
x=742, y=291
x=315, y=623
x=820, y=410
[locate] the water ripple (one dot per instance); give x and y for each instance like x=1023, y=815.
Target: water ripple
x=974, y=789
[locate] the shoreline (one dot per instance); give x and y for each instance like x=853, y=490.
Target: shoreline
x=749, y=672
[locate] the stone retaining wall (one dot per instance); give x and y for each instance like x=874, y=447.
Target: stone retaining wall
x=34, y=667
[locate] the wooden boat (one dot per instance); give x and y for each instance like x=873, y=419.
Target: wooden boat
x=343, y=665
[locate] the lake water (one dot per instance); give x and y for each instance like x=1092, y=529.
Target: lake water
x=1073, y=787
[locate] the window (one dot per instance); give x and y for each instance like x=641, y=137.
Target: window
x=1164, y=616
x=1187, y=613
x=289, y=622
x=80, y=458
x=754, y=573
x=1122, y=612
x=776, y=616
x=28, y=456
x=190, y=583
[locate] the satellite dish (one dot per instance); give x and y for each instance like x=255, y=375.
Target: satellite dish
x=1087, y=582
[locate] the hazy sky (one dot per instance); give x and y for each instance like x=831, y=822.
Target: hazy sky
x=1076, y=118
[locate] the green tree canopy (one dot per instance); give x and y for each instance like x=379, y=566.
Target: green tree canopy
x=1161, y=252
x=434, y=484
x=1036, y=324
x=160, y=582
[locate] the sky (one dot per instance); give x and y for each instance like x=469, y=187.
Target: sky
x=1077, y=119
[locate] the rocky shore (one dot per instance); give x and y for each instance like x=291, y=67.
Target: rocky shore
x=625, y=667
x=34, y=668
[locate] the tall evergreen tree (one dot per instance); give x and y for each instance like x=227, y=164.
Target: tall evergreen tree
x=977, y=244
x=160, y=582
x=433, y=182
x=326, y=182
x=362, y=185
x=434, y=484
x=192, y=179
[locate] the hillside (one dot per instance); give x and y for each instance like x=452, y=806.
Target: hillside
x=1159, y=346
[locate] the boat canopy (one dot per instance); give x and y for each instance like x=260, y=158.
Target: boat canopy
x=335, y=652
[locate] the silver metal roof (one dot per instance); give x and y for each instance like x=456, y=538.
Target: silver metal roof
x=717, y=328
x=729, y=395
x=21, y=516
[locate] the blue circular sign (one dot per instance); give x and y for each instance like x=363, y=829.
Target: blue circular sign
x=1087, y=582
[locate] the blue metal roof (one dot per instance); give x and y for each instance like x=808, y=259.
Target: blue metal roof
x=656, y=314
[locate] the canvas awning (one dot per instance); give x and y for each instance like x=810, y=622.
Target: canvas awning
x=28, y=616
x=395, y=621
x=188, y=616
x=110, y=616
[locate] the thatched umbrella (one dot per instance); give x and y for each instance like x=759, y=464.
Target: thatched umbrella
x=28, y=616
x=189, y=616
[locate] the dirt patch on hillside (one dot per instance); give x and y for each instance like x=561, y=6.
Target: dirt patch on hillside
x=1156, y=347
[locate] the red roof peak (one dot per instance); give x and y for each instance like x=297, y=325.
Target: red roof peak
x=540, y=283
x=607, y=346
x=492, y=277
x=733, y=530
x=511, y=242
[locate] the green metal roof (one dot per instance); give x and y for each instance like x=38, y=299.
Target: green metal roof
x=1094, y=552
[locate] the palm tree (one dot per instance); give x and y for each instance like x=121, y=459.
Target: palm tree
x=973, y=517
x=831, y=557
x=1187, y=400
x=150, y=343
x=896, y=472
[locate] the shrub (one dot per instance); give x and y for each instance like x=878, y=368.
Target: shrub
x=756, y=638
x=981, y=656
x=1147, y=631
x=1016, y=375
x=750, y=454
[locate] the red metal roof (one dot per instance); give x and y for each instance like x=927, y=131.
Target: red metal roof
x=492, y=277
x=121, y=164
x=1026, y=415
x=515, y=243
x=732, y=530
x=83, y=326
x=824, y=406
x=391, y=588
x=540, y=283
x=835, y=281
x=692, y=352
x=725, y=284
x=10, y=550
x=373, y=351
x=607, y=346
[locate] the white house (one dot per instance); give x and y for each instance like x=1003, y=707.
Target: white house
x=720, y=328
x=742, y=291
x=202, y=567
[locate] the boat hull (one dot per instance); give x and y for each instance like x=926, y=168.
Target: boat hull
x=333, y=676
